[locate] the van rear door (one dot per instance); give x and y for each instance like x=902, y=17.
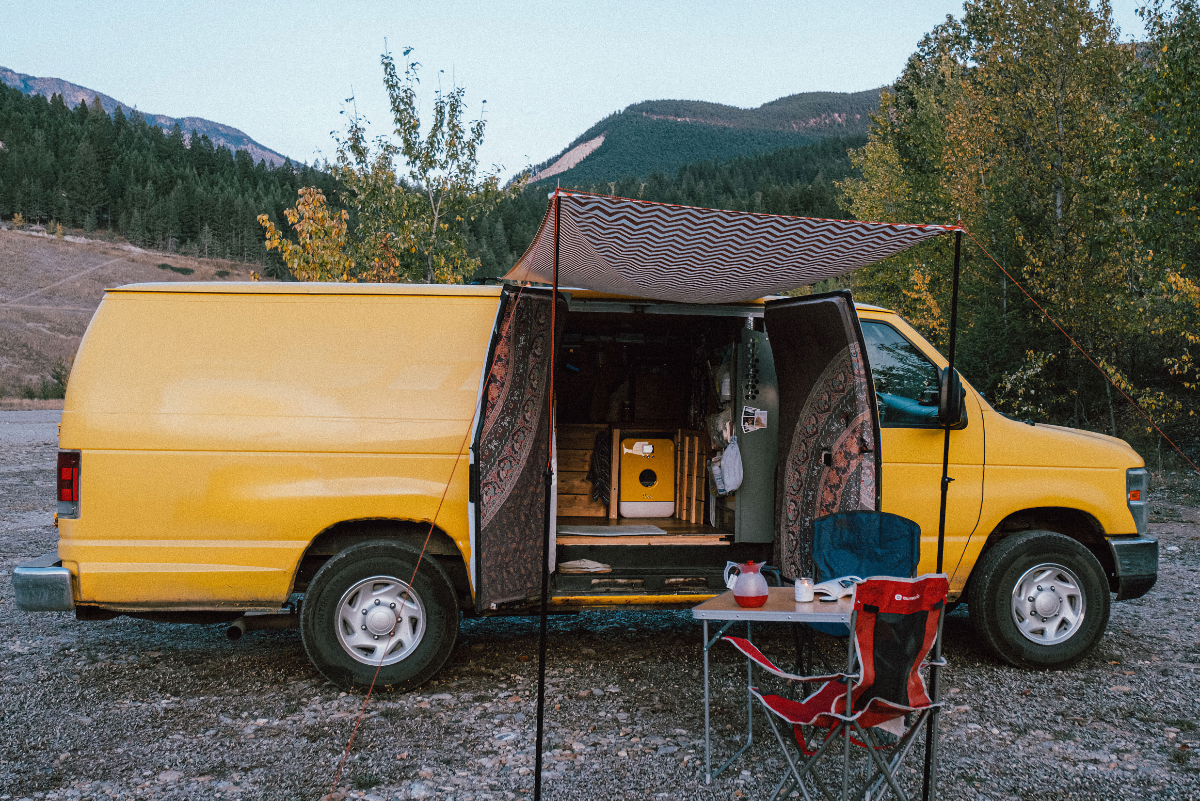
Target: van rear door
x=829, y=451
x=510, y=451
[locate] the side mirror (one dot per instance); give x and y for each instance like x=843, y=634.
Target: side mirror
x=952, y=406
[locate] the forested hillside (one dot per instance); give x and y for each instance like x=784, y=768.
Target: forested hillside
x=663, y=135
x=821, y=112
x=85, y=168
x=790, y=180
x=73, y=94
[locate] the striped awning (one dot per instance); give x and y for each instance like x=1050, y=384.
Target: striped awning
x=695, y=255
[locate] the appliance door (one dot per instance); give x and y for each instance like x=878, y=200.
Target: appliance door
x=829, y=452
x=511, y=451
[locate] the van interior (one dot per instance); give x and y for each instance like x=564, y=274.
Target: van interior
x=644, y=398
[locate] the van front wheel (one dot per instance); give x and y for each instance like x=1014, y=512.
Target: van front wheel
x=1039, y=599
x=363, y=621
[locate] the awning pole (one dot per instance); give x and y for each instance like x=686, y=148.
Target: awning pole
x=541, y=696
x=929, y=790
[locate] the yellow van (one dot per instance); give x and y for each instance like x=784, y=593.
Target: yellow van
x=371, y=462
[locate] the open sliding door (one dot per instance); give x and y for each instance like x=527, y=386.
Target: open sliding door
x=511, y=451
x=829, y=450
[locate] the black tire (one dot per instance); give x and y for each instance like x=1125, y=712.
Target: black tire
x=374, y=570
x=1062, y=581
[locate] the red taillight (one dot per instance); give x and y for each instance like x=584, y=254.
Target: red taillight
x=68, y=476
x=1135, y=495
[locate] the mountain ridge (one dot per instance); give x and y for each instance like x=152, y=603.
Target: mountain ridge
x=663, y=135
x=804, y=111
x=73, y=94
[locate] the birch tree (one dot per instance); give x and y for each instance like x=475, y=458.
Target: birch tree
x=1006, y=117
x=413, y=192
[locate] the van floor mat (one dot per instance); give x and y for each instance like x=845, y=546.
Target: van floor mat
x=611, y=531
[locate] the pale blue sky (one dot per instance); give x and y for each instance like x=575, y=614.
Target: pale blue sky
x=280, y=71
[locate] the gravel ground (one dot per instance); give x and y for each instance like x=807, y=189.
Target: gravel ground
x=132, y=709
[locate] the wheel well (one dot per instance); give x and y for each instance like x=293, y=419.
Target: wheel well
x=340, y=536
x=1077, y=525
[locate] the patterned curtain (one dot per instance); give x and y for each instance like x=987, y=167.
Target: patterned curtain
x=829, y=454
x=513, y=450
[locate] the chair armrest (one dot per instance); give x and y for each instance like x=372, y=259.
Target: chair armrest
x=838, y=677
x=753, y=654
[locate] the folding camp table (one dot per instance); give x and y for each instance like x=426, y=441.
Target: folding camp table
x=781, y=607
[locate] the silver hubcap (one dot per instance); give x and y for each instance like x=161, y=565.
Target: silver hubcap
x=380, y=620
x=1048, y=604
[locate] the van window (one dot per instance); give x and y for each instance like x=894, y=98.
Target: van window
x=905, y=381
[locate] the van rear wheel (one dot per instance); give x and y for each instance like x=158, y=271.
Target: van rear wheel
x=362, y=621
x=1039, y=599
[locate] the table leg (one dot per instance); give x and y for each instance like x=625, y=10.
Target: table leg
x=749, y=705
x=845, y=727
x=708, y=771
x=707, y=745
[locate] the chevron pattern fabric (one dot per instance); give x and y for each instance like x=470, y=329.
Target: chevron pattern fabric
x=695, y=255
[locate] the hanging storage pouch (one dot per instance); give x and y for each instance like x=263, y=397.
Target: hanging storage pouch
x=725, y=469
x=720, y=428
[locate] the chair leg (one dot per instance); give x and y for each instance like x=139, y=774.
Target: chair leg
x=787, y=754
x=881, y=765
x=811, y=773
x=897, y=752
x=810, y=764
x=807, y=654
x=871, y=783
x=902, y=747
x=803, y=638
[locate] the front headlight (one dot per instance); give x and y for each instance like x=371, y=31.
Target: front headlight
x=1137, y=483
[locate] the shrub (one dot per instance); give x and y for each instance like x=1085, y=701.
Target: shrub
x=174, y=269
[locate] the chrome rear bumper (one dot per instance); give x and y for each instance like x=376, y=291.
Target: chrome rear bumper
x=43, y=585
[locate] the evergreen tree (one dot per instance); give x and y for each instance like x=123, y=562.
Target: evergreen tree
x=84, y=167
x=87, y=184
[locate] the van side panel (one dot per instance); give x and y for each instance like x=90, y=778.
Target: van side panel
x=1048, y=467
x=221, y=433
x=1027, y=467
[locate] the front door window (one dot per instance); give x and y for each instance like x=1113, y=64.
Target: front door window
x=906, y=383
x=913, y=445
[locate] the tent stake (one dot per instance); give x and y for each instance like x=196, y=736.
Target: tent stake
x=929, y=788
x=541, y=695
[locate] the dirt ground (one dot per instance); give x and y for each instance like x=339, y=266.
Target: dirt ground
x=50, y=287
x=132, y=709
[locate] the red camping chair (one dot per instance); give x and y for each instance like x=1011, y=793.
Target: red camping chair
x=895, y=623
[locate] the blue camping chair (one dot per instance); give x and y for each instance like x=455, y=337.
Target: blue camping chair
x=865, y=544
x=862, y=544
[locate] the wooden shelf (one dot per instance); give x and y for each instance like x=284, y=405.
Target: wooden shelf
x=575, y=443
